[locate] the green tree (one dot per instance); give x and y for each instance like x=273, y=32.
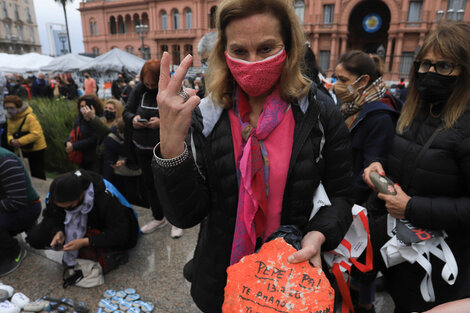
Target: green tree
x=64, y=3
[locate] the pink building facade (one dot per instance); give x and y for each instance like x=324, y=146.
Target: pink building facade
x=394, y=29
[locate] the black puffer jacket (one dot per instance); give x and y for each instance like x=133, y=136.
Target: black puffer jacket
x=143, y=102
x=209, y=194
x=440, y=191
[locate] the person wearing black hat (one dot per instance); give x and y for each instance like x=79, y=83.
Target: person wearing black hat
x=85, y=220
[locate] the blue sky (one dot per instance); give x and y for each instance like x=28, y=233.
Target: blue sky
x=49, y=11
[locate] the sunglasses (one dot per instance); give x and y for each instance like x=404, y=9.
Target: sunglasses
x=441, y=67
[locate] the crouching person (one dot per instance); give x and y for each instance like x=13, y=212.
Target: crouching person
x=83, y=219
x=19, y=209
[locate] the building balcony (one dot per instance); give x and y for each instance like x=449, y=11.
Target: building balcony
x=175, y=33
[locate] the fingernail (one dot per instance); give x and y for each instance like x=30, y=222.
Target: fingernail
x=396, y=184
x=290, y=258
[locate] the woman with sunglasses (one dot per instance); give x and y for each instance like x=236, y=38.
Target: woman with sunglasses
x=430, y=164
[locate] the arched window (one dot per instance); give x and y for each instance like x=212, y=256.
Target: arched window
x=19, y=30
x=31, y=34
x=130, y=49
x=164, y=20
x=189, y=18
x=96, y=28
x=299, y=7
x=112, y=25
x=163, y=48
x=176, y=19
x=96, y=51
x=92, y=27
x=128, y=23
x=121, y=28
x=145, y=19
x=176, y=59
x=212, y=17
x=188, y=49
x=136, y=21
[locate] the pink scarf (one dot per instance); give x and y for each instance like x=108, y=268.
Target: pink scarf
x=262, y=161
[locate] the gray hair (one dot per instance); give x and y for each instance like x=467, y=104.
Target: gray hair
x=206, y=43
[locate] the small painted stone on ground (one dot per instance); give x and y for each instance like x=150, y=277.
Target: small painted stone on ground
x=133, y=297
x=147, y=307
x=116, y=300
x=266, y=282
x=133, y=310
x=121, y=294
x=109, y=293
x=129, y=291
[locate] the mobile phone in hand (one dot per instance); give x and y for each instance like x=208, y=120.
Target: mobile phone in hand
x=142, y=120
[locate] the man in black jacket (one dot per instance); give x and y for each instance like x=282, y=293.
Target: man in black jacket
x=85, y=220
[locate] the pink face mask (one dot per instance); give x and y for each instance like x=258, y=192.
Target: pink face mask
x=256, y=78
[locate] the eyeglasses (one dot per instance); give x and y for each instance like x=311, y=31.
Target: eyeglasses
x=441, y=67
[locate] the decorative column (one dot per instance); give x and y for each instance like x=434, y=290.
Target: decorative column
x=333, y=50
x=344, y=41
x=316, y=37
x=397, y=55
x=388, y=55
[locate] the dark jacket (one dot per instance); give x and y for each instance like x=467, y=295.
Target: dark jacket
x=142, y=102
x=40, y=88
x=112, y=150
x=117, y=223
x=87, y=143
x=371, y=137
x=209, y=193
x=18, y=90
x=440, y=199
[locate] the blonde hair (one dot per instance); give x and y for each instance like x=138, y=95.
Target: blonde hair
x=117, y=106
x=451, y=41
x=220, y=82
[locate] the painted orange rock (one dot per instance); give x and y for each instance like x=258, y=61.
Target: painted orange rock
x=265, y=282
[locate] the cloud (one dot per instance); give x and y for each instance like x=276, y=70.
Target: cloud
x=49, y=11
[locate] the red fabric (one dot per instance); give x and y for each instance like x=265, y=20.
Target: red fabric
x=75, y=156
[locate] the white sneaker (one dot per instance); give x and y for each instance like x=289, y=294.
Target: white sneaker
x=8, y=307
x=20, y=299
x=8, y=289
x=153, y=225
x=176, y=232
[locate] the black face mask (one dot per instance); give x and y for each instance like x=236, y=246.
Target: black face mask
x=109, y=115
x=434, y=87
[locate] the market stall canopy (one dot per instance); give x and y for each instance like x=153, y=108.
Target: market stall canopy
x=115, y=60
x=67, y=63
x=23, y=63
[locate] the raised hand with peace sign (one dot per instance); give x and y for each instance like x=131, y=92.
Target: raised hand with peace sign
x=175, y=107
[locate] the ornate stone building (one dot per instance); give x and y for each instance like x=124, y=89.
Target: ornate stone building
x=18, y=27
x=394, y=29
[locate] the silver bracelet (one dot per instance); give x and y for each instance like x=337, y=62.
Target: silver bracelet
x=170, y=162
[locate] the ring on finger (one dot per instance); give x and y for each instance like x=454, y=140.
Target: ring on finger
x=183, y=94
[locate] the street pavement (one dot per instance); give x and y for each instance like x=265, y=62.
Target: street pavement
x=154, y=270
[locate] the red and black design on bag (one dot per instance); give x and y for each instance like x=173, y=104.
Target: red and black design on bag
x=75, y=156
x=109, y=259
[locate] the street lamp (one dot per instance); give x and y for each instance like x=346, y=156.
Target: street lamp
x=460, y=14
x=439, y=15
x=143, y=31
x=450, y=16
x=63, y=38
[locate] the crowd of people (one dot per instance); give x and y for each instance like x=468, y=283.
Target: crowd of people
x=242, y=150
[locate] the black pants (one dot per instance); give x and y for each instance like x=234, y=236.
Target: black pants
x=13, y=223
x=145, y=159
x=37, y=160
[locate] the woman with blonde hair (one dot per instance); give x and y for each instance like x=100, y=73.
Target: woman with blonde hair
x=430, y=163
x=112, y=112
x=257, y=145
